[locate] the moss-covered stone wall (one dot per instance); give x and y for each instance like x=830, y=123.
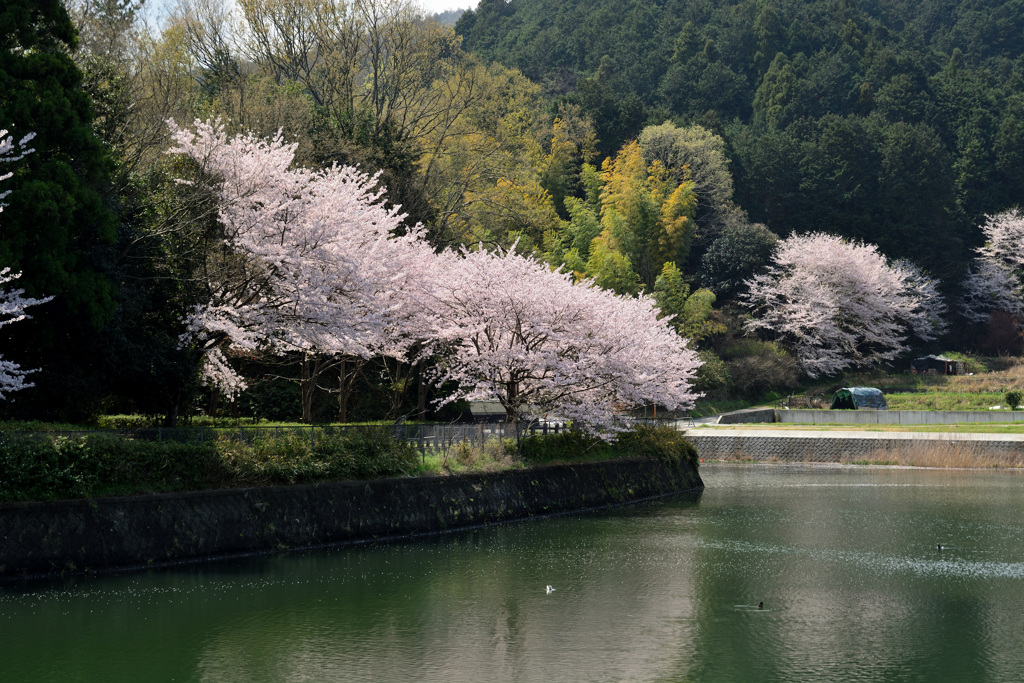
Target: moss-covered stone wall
x=82, y=536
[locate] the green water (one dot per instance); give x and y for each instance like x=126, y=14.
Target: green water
x=844, y=559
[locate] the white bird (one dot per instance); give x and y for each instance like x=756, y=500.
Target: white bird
x=550, y=589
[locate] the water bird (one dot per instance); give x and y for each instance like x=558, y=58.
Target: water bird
x=550, y=589
x=940, y=546
x=760, y=605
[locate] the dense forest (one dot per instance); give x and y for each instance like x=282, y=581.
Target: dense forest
x=898, y=123
x=672, y=149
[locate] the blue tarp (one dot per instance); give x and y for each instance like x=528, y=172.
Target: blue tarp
x=855, y=398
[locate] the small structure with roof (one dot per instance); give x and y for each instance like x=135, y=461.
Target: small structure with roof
x=859, y=398
x=936, y=365
x=486, y=411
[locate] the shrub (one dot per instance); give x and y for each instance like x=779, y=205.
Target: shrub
x=34, y=468
x=1013, y=399
x=645, y=441
x=367, y=452
x=271, y=459
x=712, y=378
x=291, y=457
x=570, y=445
x=661, y=442
x=757, y=367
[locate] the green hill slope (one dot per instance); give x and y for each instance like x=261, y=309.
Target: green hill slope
x=896, y=122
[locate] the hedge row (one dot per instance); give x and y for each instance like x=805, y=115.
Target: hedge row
x=54, y=468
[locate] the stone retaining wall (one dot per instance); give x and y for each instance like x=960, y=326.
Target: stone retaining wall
x=83, y=536
x=838, y=449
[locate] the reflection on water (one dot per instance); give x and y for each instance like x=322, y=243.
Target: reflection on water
x=845, y=561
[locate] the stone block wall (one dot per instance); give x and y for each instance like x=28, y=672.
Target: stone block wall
x=82, y=536
x=836, y=449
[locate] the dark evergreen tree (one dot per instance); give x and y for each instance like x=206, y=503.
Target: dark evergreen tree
x=57, y=229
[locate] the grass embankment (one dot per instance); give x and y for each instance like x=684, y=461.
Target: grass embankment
x=53, y=468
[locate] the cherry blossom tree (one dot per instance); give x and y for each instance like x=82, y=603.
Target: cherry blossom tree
x=510, y=328
x=310, y=261
x=13, y=302
x=840, y=304
x=995, y=279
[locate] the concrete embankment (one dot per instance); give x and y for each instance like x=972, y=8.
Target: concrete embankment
x=837, y=446
x=82, y=536
x=871, y=417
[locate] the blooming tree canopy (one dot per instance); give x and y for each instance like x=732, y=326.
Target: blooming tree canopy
x=313, y=261
x=13, y=303
x=543, y=344
x=995, y=280
x=839, y=304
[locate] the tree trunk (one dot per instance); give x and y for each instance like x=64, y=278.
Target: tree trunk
x=344, y=391
x=511, y=400
x=171, y=417
x=306, y=385
x=421, y=398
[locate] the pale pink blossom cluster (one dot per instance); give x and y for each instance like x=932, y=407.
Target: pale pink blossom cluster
x=317, y=263
x=12, y=151
x=321, y=266
x=995, y=279
x=13, y=302
x=840, y=304
x=509, y=328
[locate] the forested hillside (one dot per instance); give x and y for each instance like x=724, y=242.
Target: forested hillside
x=788, y=190
x=899, y=123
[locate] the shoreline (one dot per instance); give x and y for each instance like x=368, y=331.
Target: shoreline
x=99, y=535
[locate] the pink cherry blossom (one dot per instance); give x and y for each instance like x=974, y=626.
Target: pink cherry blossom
x=510, y=328
x=840, y=304
x=13, y=302
x=320, y=265
x=995, y=279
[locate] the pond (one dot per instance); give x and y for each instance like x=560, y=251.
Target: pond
x=844, y=559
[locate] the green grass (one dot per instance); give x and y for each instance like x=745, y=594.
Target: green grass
x=942, y=400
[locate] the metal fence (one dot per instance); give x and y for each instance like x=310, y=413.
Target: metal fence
x=424, y=436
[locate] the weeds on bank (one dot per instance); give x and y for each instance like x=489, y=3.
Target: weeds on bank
x=462, y=457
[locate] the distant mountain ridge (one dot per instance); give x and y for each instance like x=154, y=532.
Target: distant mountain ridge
x=448, y=17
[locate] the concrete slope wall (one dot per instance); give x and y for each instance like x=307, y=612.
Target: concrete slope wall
x=906, y=417
x=135, y=532
x=835, y=448
x=870, y=417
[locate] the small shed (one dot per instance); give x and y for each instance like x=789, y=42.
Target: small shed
x=487, y=411
x=859, y=398
x=936, y=365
